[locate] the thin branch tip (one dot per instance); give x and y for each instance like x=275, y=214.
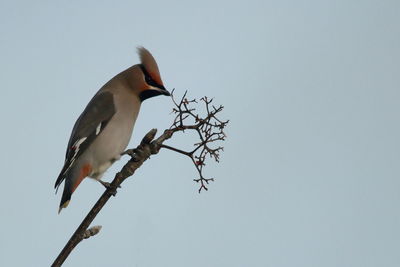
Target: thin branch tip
x=209, y=129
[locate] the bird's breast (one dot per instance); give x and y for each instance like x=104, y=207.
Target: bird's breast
x=114, y=138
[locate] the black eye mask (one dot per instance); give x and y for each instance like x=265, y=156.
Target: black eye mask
x=148, y=78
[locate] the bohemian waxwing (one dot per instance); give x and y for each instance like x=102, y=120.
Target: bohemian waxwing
x=103, y=130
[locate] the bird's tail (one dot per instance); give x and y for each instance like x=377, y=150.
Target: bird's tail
x=66, y=196
x=73, y=178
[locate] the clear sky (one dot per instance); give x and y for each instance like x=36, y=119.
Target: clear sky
x=310, y=173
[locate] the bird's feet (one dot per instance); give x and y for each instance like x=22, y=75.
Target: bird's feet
x=130, y=152
x=108, y=186
x=134, y=153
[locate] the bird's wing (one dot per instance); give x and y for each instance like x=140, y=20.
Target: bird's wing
x=89, y=125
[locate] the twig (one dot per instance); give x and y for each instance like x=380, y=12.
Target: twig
x=209, y=129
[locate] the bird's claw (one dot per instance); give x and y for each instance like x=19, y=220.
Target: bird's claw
x=135, y=153
x=130, y=152
x=108, y=186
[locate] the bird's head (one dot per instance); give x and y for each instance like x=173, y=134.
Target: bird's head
x=148, y=75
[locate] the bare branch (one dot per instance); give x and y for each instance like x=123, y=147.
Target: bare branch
x=142, y=153
x=209, y=129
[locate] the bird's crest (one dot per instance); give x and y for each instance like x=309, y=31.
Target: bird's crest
x=150, y=64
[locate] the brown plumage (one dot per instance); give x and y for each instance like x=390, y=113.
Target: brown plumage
x=104, y=129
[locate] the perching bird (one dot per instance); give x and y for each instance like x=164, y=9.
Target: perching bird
x=103, y=130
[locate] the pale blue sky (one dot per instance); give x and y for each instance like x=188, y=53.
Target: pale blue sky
x=310, y=173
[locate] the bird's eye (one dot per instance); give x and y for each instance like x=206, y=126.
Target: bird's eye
x=148, y=79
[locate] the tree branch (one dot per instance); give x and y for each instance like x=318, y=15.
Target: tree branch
x=209, y=129
x=147, y=147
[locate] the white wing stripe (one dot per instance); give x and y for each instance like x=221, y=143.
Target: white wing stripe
x=76, y=146
x=98, y=129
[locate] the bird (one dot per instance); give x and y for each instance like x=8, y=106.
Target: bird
x=103, y=130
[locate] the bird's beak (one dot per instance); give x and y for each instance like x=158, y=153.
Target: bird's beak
x=164, y=91
x=153, y=91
